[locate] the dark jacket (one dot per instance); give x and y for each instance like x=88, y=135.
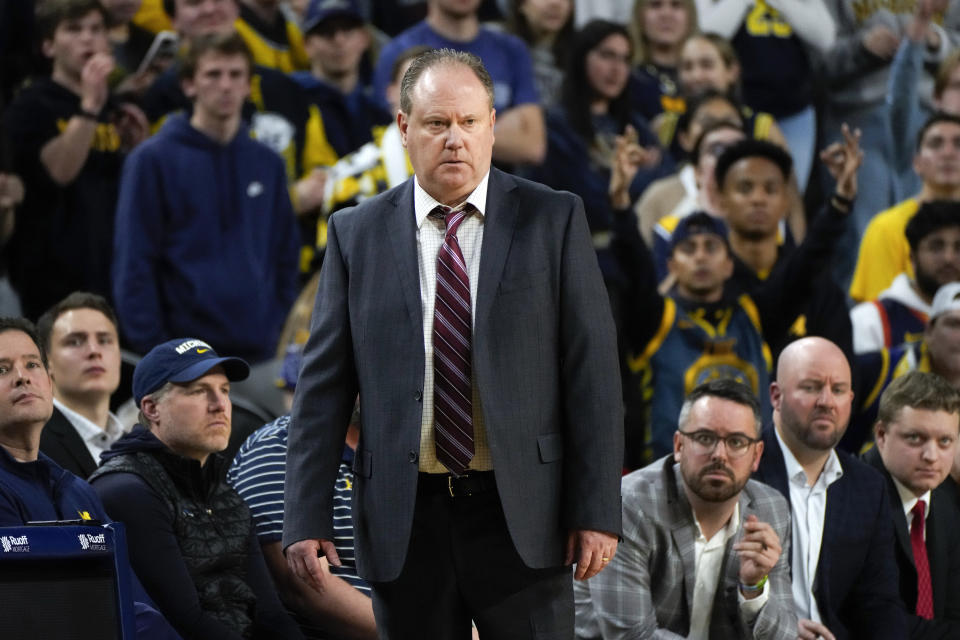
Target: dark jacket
x=943, y=552
x=190, y=541
x=60, y=440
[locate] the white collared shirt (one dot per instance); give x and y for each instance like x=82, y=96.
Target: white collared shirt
x=809, y=507
x=709, y=560
x=909, y=501
x=430, y=236
x=95, y=439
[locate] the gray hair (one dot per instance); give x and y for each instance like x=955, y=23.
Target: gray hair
x=436, y=58
x=726, y=389
x=156, y=396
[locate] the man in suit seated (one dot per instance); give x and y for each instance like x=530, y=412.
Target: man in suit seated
x=844, y=575
x=79, y=334
x=916, y=435
x=705, y=549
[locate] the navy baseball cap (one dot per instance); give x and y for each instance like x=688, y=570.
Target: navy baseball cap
x=181, y=360
x=696, y=223
x=320, y=10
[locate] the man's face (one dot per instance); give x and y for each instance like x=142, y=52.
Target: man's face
x=665, y=22
x=84, y=354
x=813, y=397
x=716, y=476
x=754, y=197
x=949, y=100
x=75, y=41
x=942, y=336
x=193, y=419
x=336, y=46
x=938, y=160
x=918, y=447
x=449, y=132
x=26, y=394
x=122, y=11
x=701, y=264
x=219, y=86
x=937, y=259
x=204, y=17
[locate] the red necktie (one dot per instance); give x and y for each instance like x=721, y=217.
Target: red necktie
x=452, y=334
x=924, y=589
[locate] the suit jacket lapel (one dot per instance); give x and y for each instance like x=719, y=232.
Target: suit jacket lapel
x=938, y=549
x=402, y=228
x=681, y=530
x=500, y=221
x=70, y=440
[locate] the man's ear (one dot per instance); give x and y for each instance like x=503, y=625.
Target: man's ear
x=403, y=122
x=187, y=86
x=148, y=407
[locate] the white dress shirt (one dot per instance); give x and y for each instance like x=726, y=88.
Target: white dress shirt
x=809, y=506
x=430, y=235
x=95, y=439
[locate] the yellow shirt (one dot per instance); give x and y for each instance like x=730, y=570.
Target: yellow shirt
x=884, y=251
x=152, y=17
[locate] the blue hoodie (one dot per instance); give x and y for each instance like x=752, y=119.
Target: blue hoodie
x=42, y=491
x=206, y=242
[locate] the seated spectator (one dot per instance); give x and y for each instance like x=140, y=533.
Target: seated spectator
x=916, y=435
x=273, y=37
x=775, y=41
x=843, y=573
x=189, y=534
x=275, y=110
x=659, y=28
x=899, y=314
x=203, y=208
x=344, y=609
x=79, y=334
x=936, y=353
x=336, y=39
x=546, y=26
x=520, y=131
x=663, y=196
x=696, y=518
x=34, y=488
x=884, y=251
x=594, y=112
x=69, y=139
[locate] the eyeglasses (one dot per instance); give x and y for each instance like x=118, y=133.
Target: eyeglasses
x=705, y=442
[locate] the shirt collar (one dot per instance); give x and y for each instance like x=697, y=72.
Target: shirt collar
x=909, y=500
x=831, y=472
x=729, y=530
x=424, y=203
x=88, y=429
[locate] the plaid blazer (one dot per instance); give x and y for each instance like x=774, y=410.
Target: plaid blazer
x=647, y=590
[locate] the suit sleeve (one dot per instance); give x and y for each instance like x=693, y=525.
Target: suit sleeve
x=324, y=399
x=778, y=618
x=589, y=369
x=138, y=239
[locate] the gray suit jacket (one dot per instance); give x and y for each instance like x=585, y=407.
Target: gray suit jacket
x=544, y=361
x=647, y=590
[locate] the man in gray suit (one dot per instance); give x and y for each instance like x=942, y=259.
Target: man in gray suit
x=467, y=309
x=705, y=549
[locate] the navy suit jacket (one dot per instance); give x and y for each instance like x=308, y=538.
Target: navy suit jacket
x=61, y=442
x=544, y=362
x=943, y=554
x=856, y=581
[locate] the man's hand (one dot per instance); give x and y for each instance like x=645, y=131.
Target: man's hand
x=810, y=630
x=881, y=42
x=919, y=29
x=93, y=82
x=759, y=550
x=592, y=551
x=11, y=190
x=310, y=191
x=628, y=158
x=132, y=126
x=842, y=160
x=303, y=558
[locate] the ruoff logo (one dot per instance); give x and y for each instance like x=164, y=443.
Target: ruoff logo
x=92, y=542
x=15, y=544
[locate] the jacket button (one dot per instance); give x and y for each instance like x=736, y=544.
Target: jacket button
x=418, y=395
x=413, y=456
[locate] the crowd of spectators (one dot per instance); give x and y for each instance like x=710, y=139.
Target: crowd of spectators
x=753, y=172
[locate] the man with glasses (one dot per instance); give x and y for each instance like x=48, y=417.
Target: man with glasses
x=843, y=566
x=705, y=549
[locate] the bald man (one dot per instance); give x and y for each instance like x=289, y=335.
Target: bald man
x=843, y=568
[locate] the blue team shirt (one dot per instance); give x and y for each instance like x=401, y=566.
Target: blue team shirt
x=505, y=56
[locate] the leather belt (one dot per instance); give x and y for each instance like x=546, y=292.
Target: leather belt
x=471, y=483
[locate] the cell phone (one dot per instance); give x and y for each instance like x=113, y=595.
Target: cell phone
x=164, y=45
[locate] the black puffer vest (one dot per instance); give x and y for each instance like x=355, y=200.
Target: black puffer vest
x=212, y=525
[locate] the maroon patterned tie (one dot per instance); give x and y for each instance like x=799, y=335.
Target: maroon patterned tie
x=924, y=589
x=452, y=391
